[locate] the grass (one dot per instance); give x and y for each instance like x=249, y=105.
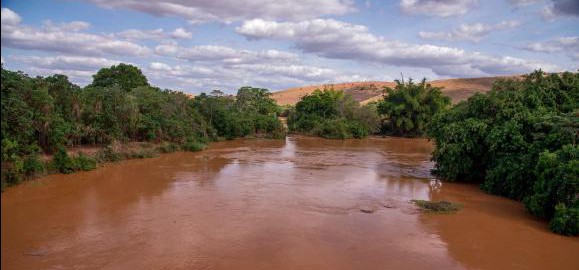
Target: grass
x=438, y=206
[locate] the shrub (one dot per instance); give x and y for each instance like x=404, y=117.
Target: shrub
x=566, y=220
x=33, y=165
x=108, y=154
x=168, y=147
x=62, y=162
x=193, y=145
x=438, y=206
x=84, y=162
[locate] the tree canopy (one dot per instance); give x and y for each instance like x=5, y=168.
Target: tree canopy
x=409, y=107
x=50, y=114
x=520, y=141
x=332, y=114
x=122, y=75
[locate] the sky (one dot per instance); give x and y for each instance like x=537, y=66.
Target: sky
x=201, y=45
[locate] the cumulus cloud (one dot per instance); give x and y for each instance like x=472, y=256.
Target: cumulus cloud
x=155, y=34
x=567, y=45
x=520, y=3
x=136, y=34
x=10, y=17
x=470, y=32
x=206, y=76
x=181, y=33
x=63, y=37
x=339, y=40
x=227, y=55
x=70, y=26
x=65, y=62
x=232, y=10
x=558, y=8
x=439, y=8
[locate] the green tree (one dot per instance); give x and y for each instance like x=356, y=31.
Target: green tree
x=409, y=107
x=122, y=75
x=519, y=141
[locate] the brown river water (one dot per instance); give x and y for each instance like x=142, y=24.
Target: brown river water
x=267, y=204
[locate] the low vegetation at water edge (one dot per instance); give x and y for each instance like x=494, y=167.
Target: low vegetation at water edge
x=438, y=206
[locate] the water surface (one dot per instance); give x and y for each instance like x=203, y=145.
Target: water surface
x=267, y=204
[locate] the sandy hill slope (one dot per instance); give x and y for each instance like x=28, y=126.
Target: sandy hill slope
x=364, y=92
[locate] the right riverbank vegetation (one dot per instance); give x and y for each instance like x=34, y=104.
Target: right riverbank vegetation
x=518, y=140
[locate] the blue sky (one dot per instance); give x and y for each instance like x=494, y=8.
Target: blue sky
x=197, y=46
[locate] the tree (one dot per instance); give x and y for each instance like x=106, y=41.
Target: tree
x=332, y=114
x=122, y=75
x=409, y=107
x=519, y=141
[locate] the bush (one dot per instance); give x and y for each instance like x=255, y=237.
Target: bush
x=565, y=221
x=193, y=145
x=62, y=162
x=168, y=147
x=33, y=165
x=84, y=162
x=108, y=154
x=143, y=153
x=438, y=206
x=13, y=172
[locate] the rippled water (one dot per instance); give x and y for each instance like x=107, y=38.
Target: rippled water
x=266, y=204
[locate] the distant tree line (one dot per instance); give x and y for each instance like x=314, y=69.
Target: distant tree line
x=50, y=114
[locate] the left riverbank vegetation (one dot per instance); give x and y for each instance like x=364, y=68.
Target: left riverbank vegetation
x=48, y=116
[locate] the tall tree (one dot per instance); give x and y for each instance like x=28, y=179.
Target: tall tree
x=122, y=75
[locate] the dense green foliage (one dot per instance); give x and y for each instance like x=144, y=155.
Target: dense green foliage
x=122, y=75
x=49, y=115
x=409, y=107
x=334, y=115
x=251, y=111
x=519, y=141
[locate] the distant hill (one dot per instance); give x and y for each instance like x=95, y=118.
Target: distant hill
x=364, y=92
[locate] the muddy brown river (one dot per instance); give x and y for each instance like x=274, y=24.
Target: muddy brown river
x=267, y=204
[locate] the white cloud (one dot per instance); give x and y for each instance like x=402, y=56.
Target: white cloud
x=155, y=34
x=339, y=40
x=440, y=8
x=471, y=32
x=181, y=33
x=232, y=10
x=135, y=34
x=65, y=62
x=205, y=76
x=10, y=17
x=567, y=45
x=64, y=38
x=226, y=55
x=74, y=26
x=520, y=3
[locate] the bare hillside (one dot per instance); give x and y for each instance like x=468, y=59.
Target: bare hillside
x=364, y=92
